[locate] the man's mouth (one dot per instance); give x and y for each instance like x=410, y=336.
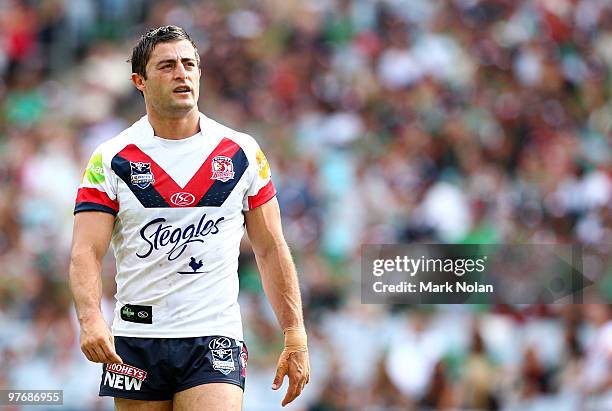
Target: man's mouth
x=182, y=89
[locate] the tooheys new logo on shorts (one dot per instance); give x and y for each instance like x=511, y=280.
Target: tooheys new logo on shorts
x=124, y=377
x=160, y=236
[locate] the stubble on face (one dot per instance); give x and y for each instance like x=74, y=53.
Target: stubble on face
x=171, y=68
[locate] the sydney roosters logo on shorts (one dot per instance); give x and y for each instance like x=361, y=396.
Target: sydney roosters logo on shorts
x=124, y=377
x=158, y=236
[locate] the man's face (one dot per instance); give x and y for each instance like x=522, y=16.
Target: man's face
x=172, y=86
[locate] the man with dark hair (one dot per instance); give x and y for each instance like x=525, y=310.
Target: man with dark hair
x=142, y=52
x=174, y=193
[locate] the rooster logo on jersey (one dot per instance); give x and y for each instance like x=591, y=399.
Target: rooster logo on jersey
x=141, y=175
x=195, y=266
x=222, y=169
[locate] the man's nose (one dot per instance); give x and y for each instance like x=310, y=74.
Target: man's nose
x=180, y=71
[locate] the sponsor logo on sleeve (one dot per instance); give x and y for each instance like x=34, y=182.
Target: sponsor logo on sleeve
x=95, y=171
x=141, y=175
x=222, y=356
x=124, y=377
x=262, y=165
x=222, y=169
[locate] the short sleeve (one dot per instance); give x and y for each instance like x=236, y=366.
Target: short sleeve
x=96, y=192
x=261, y=189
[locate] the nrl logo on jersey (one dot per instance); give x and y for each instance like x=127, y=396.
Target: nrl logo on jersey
x=222, y=169
x=141, y=175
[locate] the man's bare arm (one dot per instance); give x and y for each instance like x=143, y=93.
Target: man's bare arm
x=280, y=283
x=90, y=239
x=274, y=260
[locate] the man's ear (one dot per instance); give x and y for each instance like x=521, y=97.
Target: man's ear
x=138, y=81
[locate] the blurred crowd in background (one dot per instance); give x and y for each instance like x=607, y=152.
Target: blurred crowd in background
x=385, y=121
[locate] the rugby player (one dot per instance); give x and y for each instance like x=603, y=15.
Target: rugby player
x=173, y=194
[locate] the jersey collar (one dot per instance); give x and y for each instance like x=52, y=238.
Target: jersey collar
x=145, y=127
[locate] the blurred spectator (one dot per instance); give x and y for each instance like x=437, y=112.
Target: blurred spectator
x=596, y=374
x=479, y=382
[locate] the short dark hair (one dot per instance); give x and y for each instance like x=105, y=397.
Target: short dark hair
x=142, y=51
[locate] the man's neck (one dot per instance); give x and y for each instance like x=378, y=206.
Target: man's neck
x=175, y=128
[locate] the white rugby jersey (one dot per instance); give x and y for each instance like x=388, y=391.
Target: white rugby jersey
x=179, y=221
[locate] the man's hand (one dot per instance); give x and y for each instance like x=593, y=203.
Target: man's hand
x=294, y=363
x=97, y=342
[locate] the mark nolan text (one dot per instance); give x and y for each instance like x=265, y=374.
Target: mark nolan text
x=431, y=287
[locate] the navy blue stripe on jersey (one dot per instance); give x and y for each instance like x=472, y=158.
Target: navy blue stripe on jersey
x=87, y=206
x=220, y=191
x=149, y=197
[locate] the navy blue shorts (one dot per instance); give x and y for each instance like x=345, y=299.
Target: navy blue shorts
x=154, y=369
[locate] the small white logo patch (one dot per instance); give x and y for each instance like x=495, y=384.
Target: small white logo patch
x=141, y=175
x=222, y=357
x=222, y=169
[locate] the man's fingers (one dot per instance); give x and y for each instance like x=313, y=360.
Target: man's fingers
x=296, y=385
x=292, y=392
x=98, y=344
x=92, y=353
x=101, y=351
x=298, y=377
x=111, y=355
x=300, y=388
x=101, y=355
x=115, y=359
x=281, y=371
x=88, y=354
x=295, y=366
